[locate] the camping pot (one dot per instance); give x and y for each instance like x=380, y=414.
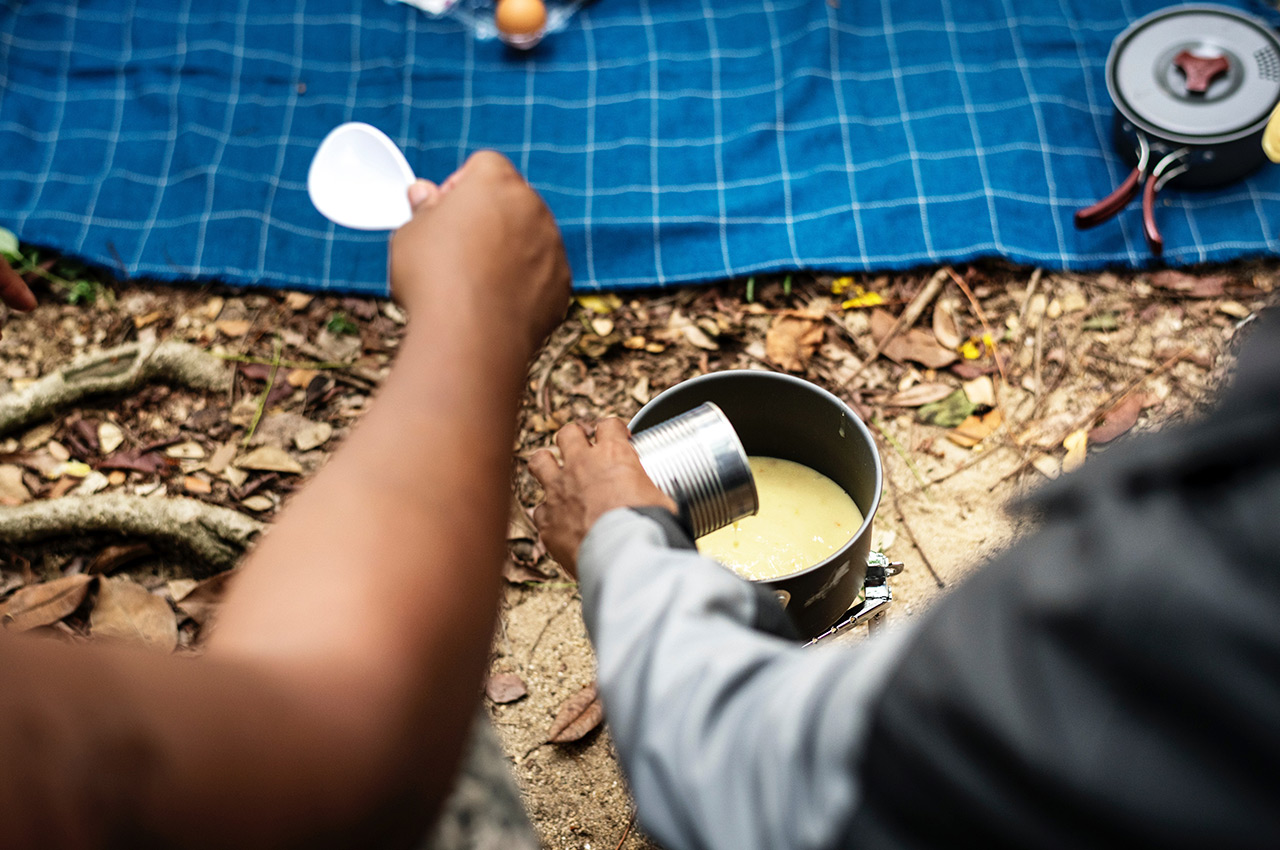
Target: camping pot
x=1193, y=88
x=781, y=416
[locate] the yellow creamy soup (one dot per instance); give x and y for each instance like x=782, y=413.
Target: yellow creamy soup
x=804, y=517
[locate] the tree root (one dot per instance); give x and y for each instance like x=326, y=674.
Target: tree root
x=117, y=370
x=213, y=535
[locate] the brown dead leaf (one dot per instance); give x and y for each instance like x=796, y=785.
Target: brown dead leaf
x=503, y=688
x=12, y=490
x=299, y=378
x=921, y=347
x=111, y=558
x=920, y=394
x=1119, y=419
x=198, y=484
x=44, y=604
x=1077, y=446
x=202, y=601
x=975, y=429
x=519, y=524
x=127, y=611
x=270, y=459
x=149, y=462
x=1191, y=285
x=792, y=340
x=518, y=573
x=296, y=301
x=233, y=327
x=946, y=324
x=579, y=714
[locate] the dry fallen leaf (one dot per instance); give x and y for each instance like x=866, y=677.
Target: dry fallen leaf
x=579, y=714
x=946, y=325
x=1190, y=285
x=12, y=490
x=202, y=601
x=503, y=688
x=920, y=394
x=312, y=436
x=792, y=340
x=269, y=459
x=975, y=429
x=258, y=503
x=1119, y=419
x=198, y=484
x=296, y=301
x=981, y=391
x=518, y=573
x=189, y=450
x=1077, y=446
x=112, y=558
x=44, y=604
x=127, y=611
x=233, y=327
x=110, y=437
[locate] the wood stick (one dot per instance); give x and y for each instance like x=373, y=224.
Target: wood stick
x=907, y=318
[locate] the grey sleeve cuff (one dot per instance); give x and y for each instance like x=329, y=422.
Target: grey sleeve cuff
x=731, y=737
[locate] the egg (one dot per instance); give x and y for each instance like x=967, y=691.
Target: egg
x=520, y=17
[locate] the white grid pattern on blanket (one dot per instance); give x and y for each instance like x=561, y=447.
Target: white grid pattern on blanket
x=256, y=144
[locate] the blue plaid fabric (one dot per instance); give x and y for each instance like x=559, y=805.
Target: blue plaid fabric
x=675, y=140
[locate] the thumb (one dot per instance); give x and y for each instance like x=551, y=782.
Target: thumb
x=423, y=193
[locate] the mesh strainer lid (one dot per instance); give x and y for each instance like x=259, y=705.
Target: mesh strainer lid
x=1196, y=74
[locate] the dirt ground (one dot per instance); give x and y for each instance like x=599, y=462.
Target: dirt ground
x=1054, y=367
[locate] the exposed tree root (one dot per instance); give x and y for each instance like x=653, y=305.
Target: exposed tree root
x=213, y=535
x=117, y=370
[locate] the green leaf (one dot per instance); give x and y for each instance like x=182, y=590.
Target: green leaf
x=9, y=244
x=340, y=324
x=949, y=412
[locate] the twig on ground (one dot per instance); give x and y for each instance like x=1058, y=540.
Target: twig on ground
x=1032, y=286
x=116, y=370
x=217, y=536
x=907, y=318
x=906, y=526
x=631, y=821
x=541, y=391
x=902, y=453
x=534, y=646
x=982, y=318
x=973, y=461
x=266, y=394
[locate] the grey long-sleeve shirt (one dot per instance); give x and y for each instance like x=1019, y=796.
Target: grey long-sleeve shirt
x=733, y=737
x=1113, y=680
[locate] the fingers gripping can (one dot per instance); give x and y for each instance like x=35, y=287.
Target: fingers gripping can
x=697, y=459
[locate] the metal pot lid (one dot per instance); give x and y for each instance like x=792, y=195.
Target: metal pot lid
x=1196, y=74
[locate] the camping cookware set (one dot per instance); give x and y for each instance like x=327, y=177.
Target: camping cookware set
x=1194, y=87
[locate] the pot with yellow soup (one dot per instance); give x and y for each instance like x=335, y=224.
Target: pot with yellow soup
x=819, y=478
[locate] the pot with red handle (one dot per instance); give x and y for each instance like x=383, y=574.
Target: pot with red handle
x=1194, y=87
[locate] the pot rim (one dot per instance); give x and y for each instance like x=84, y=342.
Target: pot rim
x=850, y=415
x=1162, y=134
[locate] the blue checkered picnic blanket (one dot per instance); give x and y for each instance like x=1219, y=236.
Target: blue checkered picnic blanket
x=676, y=140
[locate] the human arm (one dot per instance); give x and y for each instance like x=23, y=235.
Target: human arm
x=345, y=666
x=731, y=734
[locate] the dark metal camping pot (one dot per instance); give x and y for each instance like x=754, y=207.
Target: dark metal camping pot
x=1193, y=87
x=781, y=416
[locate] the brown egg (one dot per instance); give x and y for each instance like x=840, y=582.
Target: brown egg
x=520, y=17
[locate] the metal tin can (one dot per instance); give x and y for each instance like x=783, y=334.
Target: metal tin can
x=697, y=459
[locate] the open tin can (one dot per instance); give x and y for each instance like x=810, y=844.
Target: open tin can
x=697, y=459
